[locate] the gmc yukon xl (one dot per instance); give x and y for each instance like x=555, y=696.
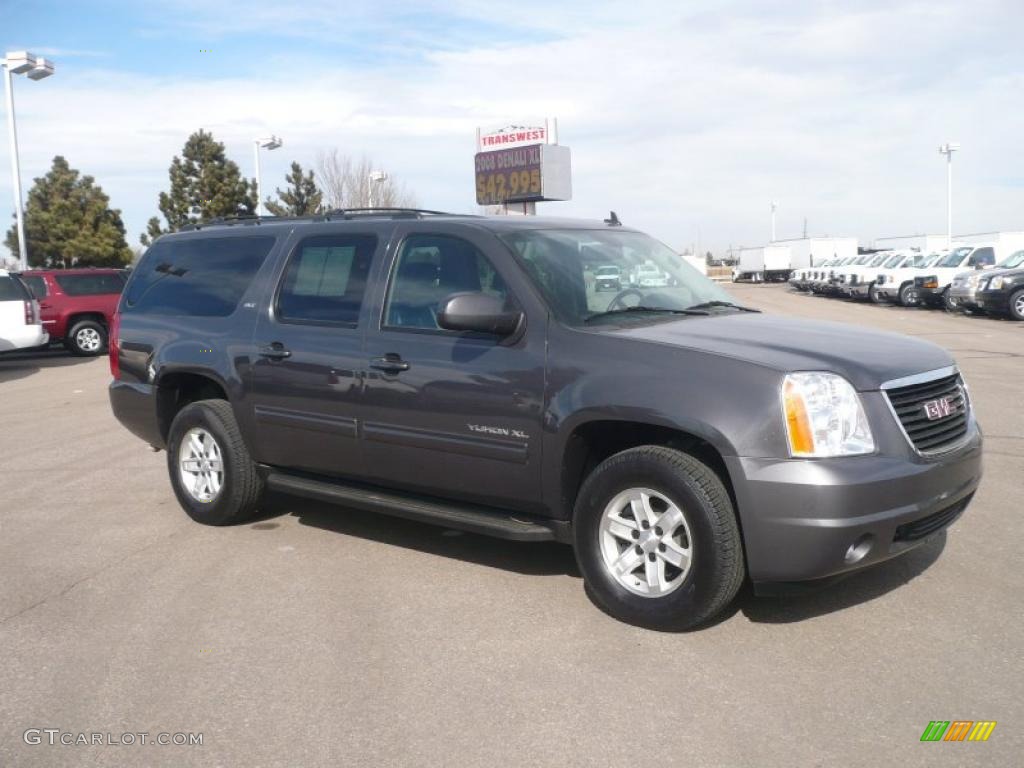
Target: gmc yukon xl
x=461, y=370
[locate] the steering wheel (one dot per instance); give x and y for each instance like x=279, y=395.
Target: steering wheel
x=618, y=303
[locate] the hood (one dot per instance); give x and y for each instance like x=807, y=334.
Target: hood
x=867, y=358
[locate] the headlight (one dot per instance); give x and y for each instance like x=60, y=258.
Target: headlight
x=997, y=282
x=824, y=416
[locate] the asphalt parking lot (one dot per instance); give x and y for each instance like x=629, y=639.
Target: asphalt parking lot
x=324, y=636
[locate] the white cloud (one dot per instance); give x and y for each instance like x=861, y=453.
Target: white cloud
x=678, y=119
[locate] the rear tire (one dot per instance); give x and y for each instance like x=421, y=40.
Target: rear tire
x=87, y=338
x=677, y=560
x=211, y=471
x=1017, y=305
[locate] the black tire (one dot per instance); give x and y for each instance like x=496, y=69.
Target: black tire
x=873, y=294
x=909, y=296
x=948, y=302
x=87, y=338
x=716, y=570
x=1017, y=305
x=242, y=486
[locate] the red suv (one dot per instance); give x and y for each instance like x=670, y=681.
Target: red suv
x=77, y=305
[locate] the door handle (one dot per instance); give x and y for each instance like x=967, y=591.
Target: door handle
x=390, y=363
x=275, y=351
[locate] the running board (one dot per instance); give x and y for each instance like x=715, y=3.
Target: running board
x=464, y=517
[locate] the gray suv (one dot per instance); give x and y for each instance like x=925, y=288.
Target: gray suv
x=464, y=371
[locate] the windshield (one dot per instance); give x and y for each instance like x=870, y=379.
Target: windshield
x=895, y=261
x=1013, y=260
x=559, y=267
x=608, y=271
x=954, y=258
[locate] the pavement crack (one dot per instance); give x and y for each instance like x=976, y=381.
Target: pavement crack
x=86, y=577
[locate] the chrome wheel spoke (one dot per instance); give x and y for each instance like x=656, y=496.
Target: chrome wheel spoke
x=622, y=529
x=674, y=555
x=627, y=562
x=654, y=570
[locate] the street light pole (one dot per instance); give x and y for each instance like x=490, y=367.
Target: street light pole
x=948, y=149
x=17, y=63
x=270, y=142
x=376, y=177
x=773, y=206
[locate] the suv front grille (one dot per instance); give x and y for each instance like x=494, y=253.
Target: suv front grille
x=933, y=413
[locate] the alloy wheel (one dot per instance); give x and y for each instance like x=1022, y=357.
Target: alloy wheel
x=88, y=340
x=201, y=465
x=645, y=542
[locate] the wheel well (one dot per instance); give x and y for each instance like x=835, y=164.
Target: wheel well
x=595, y=441
x=79, y=316
x=176, y=390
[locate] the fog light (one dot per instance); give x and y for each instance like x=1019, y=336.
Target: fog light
x=859, y=549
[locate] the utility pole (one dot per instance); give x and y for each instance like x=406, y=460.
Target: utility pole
x=774, y=205
x=948, y=149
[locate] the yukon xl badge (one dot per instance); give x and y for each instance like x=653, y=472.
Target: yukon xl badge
x=502, y=431
x=939, y=409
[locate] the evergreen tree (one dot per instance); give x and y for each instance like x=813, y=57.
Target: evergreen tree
x=300, y=199
x=204, y=185
x=69, y=222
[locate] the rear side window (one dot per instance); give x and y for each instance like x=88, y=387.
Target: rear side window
x=36, y=284
x=326, y=278
x=196, y=276
x=11, y=289
x=89, y=285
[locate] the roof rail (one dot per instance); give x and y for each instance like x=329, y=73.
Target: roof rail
x=335, y=213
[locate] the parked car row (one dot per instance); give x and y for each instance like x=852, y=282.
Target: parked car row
x=612, y=278
x=963, y=278
x=72, y=306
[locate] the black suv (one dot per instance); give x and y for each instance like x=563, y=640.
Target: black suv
x=463, y=370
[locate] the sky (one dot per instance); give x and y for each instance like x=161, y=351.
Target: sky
x=685, y=117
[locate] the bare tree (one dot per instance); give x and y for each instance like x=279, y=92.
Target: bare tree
x=345, y=183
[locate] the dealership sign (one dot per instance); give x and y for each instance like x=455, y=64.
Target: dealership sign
x=518, y=134
x=531, y=173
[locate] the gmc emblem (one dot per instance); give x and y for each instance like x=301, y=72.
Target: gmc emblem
x=939, y=409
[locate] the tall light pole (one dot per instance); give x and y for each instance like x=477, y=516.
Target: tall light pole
x=948, y=149
x=773, y=205
x=268, y=143
x=19, y=63
x=376, y=177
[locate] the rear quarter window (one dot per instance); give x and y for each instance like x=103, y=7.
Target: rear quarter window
x=90, y=285
x=196, y=276
x=11, y=289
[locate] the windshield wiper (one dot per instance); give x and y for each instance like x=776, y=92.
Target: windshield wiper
x=623, y=310
x=709, y=304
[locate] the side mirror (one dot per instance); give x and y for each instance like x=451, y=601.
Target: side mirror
x=476, y=311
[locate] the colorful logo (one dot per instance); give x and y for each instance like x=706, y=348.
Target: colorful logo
x=958, y=730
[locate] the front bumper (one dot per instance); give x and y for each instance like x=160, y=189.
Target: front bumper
x=859, y=290
x=963, y=296
x=808, y=519
x=994, y=301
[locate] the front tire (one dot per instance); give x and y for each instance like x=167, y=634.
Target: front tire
x=87, y=338
x=909, y=296
x=657, y=540
x=1017, y=305
x=211, y=471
